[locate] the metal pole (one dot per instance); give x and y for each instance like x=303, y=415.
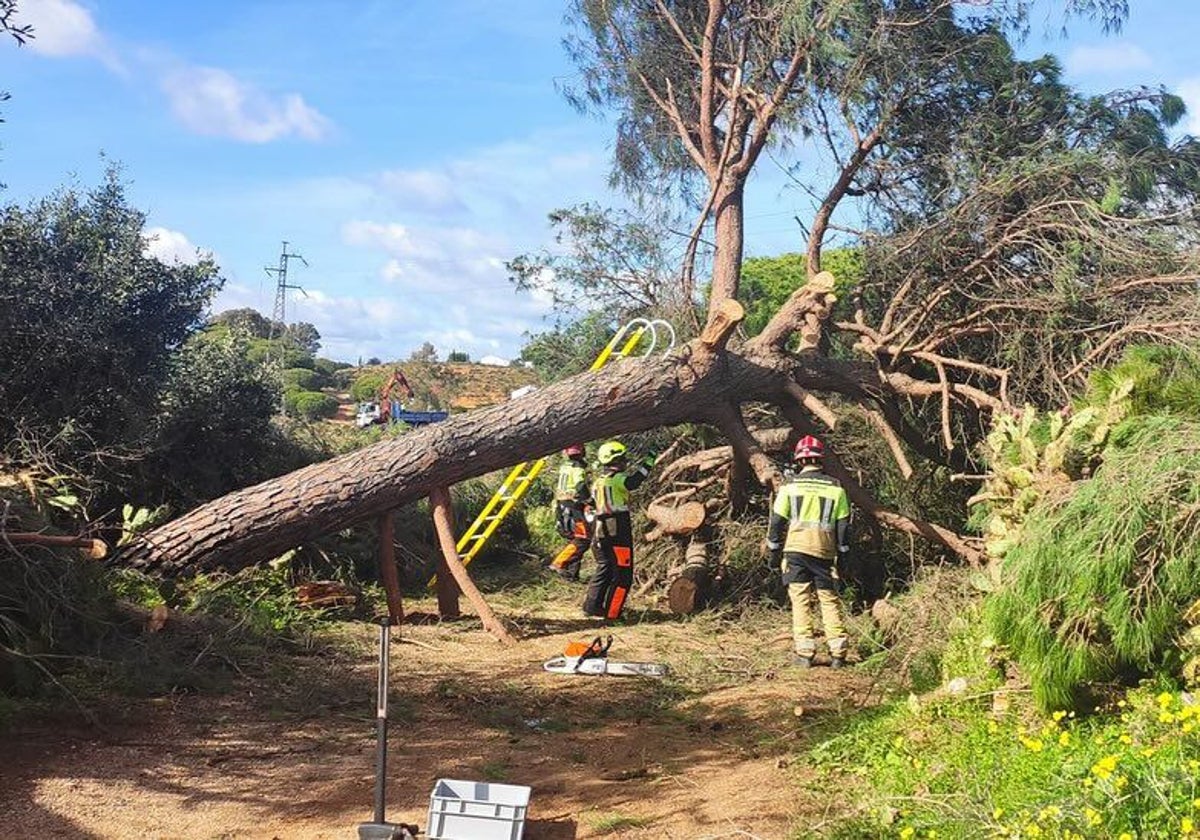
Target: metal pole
x=385, y=633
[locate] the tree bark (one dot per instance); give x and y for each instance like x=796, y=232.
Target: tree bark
x=258, y=523
x=443, y=521
x=689, y=590
x=389, y=575
x=728, y=210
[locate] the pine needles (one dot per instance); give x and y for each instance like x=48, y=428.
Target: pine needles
x=1097, y=587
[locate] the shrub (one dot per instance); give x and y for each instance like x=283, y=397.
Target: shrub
x=1097, y=587
x=311, y=405
x=301, y=379
x=367, y=386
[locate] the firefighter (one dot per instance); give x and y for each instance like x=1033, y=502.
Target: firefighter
x=614, y=529
x=572, y=498
x=808, y=533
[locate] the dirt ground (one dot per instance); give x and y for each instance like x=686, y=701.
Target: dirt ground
x=289, y=752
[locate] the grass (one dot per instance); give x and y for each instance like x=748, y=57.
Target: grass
x=610, y=823
x=952, y=769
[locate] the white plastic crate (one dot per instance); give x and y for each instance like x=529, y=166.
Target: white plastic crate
x=462, y=810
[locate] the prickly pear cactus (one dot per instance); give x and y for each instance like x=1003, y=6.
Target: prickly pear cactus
x=1030, y=453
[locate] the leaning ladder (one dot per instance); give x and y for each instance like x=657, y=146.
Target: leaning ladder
x=520, y=477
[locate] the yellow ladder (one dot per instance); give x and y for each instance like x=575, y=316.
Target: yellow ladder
x=513, y=488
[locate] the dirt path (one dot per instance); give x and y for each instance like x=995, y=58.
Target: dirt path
x=704, y=754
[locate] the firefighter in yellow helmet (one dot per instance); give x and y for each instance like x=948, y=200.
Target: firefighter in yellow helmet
x=809, y=530
x=572, y=496
x=614, y=529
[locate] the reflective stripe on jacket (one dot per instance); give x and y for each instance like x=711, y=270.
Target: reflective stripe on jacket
x=572, y=483
x=815, y=512
x=610, y=492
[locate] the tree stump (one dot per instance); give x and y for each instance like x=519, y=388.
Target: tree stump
x=689, y=591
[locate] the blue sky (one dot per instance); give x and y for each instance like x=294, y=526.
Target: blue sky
x=406, y=148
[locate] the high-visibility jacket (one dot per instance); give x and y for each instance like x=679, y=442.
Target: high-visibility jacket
x=811, y=515
x=610, y=491
x=572, y=483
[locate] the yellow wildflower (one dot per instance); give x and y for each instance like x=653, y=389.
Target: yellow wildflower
x=1188, y=727
x=1092, y=816
x=1059, y=716
x=1103, y=768
x=931, y=834
x=907, y=832
x=1120, y=782
x=992, y=727
x=1166, y=717
x=1186, y=826
x=1032, y=830
x=1050, y=812
x=1125, y=739
x=1064, y=739
x=1196, y=804
x=1149, y=751
x=1165, y=699
x=1125, y=835
x=1032, y=744
x=999, y=812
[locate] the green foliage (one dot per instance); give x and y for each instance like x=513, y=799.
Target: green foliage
x=88, y=321
x=458, y=356
x=367, y=386
x=1097, y=587
x=311, y=405
x=1161, y=379
x=951, y=769
x=328, y=367
x=302, y=379
x=212, y=430
x=278, y=352
x=264, y=598
x=567, y=350
x=768, y=281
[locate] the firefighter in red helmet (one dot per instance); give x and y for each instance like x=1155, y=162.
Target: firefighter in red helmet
x=572, y=497
x=808, y=532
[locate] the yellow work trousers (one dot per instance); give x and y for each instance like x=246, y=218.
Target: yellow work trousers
x=831, y=619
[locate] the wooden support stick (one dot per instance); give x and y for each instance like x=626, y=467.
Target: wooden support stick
x=91, y=548
x=388, y=574
x=443, y=523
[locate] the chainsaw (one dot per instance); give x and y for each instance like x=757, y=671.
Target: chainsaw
x=592, y=659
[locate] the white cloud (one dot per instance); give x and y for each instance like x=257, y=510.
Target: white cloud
x=1189, y=90
x=1107, y=59
x=422, y=190
x=171, y=246
x=212, y=101
x=61, y=28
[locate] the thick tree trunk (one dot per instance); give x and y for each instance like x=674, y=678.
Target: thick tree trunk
x=698, y=383
x=261, y=522
x=728, y=210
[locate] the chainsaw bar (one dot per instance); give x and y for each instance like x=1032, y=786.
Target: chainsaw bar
x=602, y=667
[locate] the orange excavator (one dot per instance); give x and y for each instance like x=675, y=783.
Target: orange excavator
x=390, y=409
x=388, y=394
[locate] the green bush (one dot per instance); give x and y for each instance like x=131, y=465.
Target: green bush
x=311, y=405
x=329, y=367
x=366, y=387
x=1166, y=380
x=301, y=379
x=1098, y=585
x=278, y=352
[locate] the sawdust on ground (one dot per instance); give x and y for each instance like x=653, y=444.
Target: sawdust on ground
x=708, y=753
